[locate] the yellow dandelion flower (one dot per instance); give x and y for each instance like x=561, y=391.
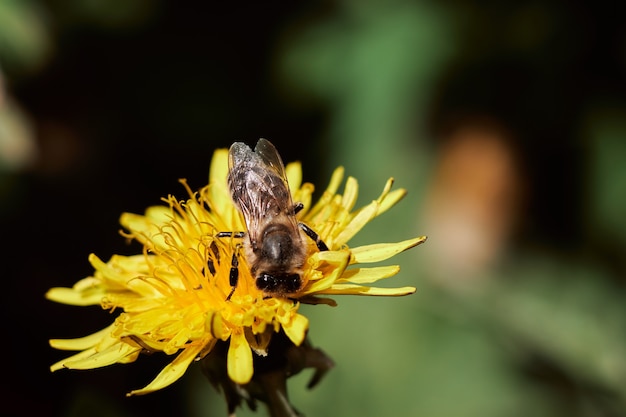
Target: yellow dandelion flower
x=175, y=297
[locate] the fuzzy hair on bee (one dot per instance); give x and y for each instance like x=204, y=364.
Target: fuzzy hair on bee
x=273, y=243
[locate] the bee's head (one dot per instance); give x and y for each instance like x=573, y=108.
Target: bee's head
x=278, y=283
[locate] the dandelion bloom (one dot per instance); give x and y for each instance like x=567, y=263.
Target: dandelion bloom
x=173, y=297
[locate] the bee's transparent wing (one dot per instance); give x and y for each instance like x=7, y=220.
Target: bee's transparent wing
x=268, y=153
x=259, y=186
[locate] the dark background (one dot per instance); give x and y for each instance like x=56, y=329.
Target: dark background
x=122, y=99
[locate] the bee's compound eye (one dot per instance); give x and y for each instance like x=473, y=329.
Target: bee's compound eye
x=292, y=283
x=282, y=284
x=266, y=282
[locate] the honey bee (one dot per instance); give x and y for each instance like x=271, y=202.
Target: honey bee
x=273, y=244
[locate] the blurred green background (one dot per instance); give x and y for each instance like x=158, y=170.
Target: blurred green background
x=504, y=120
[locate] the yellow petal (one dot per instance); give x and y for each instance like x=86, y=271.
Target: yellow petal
x=304, y=196
x=113, y=354
x=177, y=341
x=80, y=355
x=82, y=342
x=368, y=275
x=362, y=217
x=296, y=329
x=75, y=298
x=86, y=284
x=350, y=193
x=130, y=358
x=214, y=322
x=93, y=345
x=293, y=171
x=172, y=372
x=218, y=193
x=335, y=257
x=390, y=200
x=145, y=230
x=327, y=196
x=361, y=290
x=147, y=321
x=157, y=215
x=219, y=166
x=335, y=180
x=381, y=251
x=119, y=274
x=140, y=223
x=239, y=359
x=337, y=262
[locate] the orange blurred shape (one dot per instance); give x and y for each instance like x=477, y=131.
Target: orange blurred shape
x=473, y=202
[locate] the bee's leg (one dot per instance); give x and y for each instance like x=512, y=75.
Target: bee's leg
x=216, y=258
x=234, y=271
x=297, y=207
x=211, y=266
x=237, y=235
x=234, y=261
x=314, y=236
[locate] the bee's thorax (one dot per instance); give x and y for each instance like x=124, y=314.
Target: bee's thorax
x=278, y=246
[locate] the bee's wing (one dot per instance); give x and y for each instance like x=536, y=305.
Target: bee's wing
x=258, y=185
x=269, y=155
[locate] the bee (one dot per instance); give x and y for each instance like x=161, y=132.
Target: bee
x=273, y=243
